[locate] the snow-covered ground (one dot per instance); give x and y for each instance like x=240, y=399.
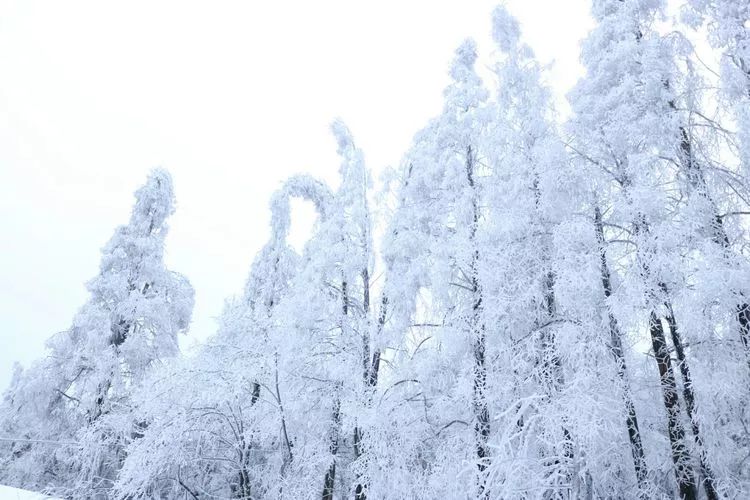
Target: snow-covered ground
x=8, y=493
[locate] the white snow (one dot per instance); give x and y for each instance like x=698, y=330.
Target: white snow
x=10, y=493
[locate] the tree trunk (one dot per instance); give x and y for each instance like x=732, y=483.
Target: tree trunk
x=615, y=335
x=743, y=319
x=551, y=365
x=375, y=365
x=371, y=379
x=478, y=334
x=288, y=457
x=330, y=478
x=481, y=409
x=360, y=491
x=687, y=391
x=680, y=455
x=360, y=488
x=553, y=368
x=242, y=490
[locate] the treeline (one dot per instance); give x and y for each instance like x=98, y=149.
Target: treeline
x=555, y=310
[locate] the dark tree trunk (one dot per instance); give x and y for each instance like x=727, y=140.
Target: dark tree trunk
x=481, y=409
x=375, y=365
x=680, y=455
x=374, y=369
x=697, y=180
x=256, y=393
x=554, y=379
x=743, y=318
x=371, y=379
x=360, y=491
x=242, y=488
x=330, y=478
x=687, y=391
x=478, y=333
x=360, y=488
x=345, y=299
x=552, y=366
x=366, y=333
x=615, y=335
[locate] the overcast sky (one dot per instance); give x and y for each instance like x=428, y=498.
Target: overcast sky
x=231, y=98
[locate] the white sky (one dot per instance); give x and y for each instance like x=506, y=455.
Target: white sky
x=232, y=98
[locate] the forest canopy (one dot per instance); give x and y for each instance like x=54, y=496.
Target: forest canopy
x=532, y=307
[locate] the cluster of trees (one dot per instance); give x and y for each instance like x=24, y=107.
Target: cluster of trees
x=563, y=310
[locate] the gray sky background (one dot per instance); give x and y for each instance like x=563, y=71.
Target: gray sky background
x=232, y=98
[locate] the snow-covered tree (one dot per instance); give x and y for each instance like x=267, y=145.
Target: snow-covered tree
x=555, y=318
x=628, y=131
x=328, y=313
x=433, y=254
x=80, y=395
x=289, y=359
x=716, y=157
x=227, y=410
x=528, y=204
